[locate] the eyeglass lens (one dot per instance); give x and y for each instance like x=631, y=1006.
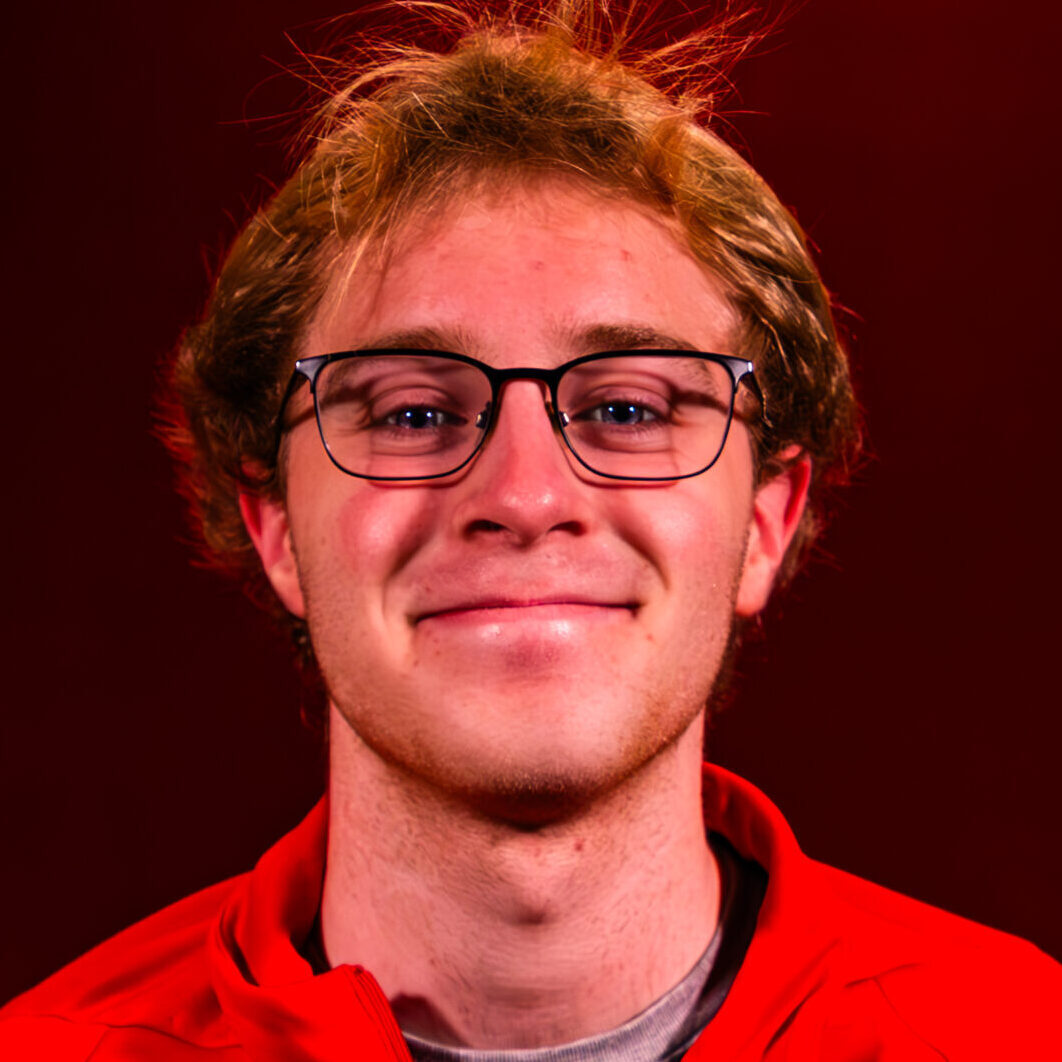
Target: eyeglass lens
x=410, y=416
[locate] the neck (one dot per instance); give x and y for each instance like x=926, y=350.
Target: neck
x=488, y=934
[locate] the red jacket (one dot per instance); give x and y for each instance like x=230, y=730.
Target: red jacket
x=838, y=969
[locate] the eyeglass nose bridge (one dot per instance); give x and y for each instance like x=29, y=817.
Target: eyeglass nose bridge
x=487, y=417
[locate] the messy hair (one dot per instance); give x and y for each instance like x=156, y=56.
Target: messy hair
x=562, y=88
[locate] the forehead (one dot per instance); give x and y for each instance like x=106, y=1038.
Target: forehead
x=544, y=271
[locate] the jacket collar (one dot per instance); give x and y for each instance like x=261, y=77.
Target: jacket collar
x=269, y=992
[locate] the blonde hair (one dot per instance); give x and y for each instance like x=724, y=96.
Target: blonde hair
x=557, y=89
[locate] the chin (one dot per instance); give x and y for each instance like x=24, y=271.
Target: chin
x=534, y=796
x=516, y=759
x=543, y=779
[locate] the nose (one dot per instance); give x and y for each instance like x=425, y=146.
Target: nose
x=521, y=483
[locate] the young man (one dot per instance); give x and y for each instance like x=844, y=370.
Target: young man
x=519, y=398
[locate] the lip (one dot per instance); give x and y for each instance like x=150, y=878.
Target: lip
x=502, y=610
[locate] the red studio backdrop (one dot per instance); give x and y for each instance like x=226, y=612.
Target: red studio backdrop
x=903, y=707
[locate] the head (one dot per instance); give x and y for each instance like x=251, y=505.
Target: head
x=532, y=127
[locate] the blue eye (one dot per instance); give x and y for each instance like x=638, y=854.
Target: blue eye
x=622, y=414
x=419, y=417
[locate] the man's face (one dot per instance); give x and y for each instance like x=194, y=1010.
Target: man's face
x=522, y=628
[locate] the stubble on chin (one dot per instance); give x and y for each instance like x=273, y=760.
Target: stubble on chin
x=514, y=783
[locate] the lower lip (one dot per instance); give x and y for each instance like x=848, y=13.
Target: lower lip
x=522, y=637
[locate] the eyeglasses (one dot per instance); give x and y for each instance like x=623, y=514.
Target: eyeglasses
x=423, y=414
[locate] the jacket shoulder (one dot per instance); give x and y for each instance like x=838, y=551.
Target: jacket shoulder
x=148, y=985
x=953, y=985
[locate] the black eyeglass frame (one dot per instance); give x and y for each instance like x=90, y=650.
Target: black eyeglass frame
x=308, y=369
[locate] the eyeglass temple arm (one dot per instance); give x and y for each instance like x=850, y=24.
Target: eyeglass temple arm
x=306, y=370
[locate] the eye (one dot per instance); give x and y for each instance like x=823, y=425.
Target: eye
x=415, y=418
x=621, y=413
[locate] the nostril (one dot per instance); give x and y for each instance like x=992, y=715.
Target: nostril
x=483, y=526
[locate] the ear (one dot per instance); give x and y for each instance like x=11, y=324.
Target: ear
x=266, y=521
x=776, y=510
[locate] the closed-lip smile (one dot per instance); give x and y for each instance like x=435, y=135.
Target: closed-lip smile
x=545, y=607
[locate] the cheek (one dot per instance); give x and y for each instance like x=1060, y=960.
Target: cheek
x=352, y=536
x=694, y=533
x=705, y=554
x=371, y=525
x=377, y=528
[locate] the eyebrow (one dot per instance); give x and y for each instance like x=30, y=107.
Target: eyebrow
x=626, y=337
x=457, y=340
x=587, y=340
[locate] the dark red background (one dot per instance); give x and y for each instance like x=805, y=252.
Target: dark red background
x=903, y=711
